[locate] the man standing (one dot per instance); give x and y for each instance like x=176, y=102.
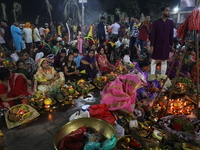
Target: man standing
x=36, y=35
x=115, y=30
x=17, y=36
x=134, y=30
x=7, y=35
x=101, y=32
x=144, y=31
x=161, y=40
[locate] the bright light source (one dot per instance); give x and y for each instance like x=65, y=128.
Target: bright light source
x=176, y=9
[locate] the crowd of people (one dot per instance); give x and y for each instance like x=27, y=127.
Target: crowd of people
x=36, y=59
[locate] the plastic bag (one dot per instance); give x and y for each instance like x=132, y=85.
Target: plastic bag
x=79, y=114
x=109, y=144
x=92, y=146
x=120, y=130
x=14, y=57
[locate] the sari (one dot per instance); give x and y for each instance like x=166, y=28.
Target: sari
x=121, y=93
x=194, y=72
x=90, y=72
x=17, y=86
x=142, y=92
x=44, y=76
x=104, y=65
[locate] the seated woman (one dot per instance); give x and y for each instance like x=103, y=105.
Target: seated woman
x=148, y=89
x=103, y=62
x=175, y=63
x=89, y=63
x=121, y=94
x=13, y=87
x=69, y=68
x=46, y=77
x=59, y=59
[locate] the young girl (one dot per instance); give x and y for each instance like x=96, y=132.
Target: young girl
x=126, y=58
x=69, y=68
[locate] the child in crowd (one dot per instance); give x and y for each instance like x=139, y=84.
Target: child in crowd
x=21, y=68
x=29, y=62
x=126, y=58
x=77, y=58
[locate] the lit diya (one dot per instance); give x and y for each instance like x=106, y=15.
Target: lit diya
x=47, y=103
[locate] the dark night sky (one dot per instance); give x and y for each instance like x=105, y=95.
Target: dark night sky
x=32, y=8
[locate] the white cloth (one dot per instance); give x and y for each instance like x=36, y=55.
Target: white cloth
x=175, y=33
x=36, y=35
x=38, y=56
x=163, y=67
x=126, y=59
x=2, y=41
x=27, y=35
x=115, y=28
x=118, y=44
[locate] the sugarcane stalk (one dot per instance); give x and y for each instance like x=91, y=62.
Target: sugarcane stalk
x=176, y=77
x=197, y=69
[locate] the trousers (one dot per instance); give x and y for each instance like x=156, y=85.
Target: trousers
x=163, y=66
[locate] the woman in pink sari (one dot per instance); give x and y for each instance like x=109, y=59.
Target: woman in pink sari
x=120, y=95
x=103, y=62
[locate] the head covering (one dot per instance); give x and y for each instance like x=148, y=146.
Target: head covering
x=41, y=61
x=121, y=93
x=27, y=25
x=57, y=62
x=88, y=58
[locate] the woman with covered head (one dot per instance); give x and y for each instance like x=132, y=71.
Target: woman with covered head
x=121, y=94
x=13, y=88
x=59, y=59
x=46, y=77
x=89, y=64
x=148, y=89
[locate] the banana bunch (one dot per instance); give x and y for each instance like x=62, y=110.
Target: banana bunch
x=38, y=95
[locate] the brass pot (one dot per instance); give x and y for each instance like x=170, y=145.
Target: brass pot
x=100, y=125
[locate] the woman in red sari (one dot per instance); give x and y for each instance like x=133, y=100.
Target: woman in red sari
x=103, y=62
x=13, y=87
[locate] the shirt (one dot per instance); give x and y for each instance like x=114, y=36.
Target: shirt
x=28, y=35
x=42, y=31
x=36, y=35
x=2, y=41
x=7, y=35
x=143, y=33
x=31, y=62
x=135, y=30
x=126, y=59
x=77, y=60
x=115, y=28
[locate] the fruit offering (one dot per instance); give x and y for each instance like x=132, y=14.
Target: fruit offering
x=19, y=113
x=121, y=70
x=101, y=81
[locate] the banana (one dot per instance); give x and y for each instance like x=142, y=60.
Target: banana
x=26, y=115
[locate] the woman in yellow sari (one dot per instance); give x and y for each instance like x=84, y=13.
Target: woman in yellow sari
x=46, y=78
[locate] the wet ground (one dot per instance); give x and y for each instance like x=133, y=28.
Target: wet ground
x=39, y=134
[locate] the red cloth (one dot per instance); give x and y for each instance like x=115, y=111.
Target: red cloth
x=18, y=86
x=191, y=23
x=101, y=112
x=73, y=141
x=177, y=126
